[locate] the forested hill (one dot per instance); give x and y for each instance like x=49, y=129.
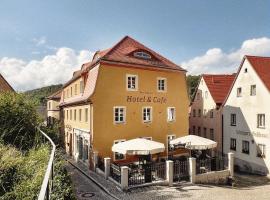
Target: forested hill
x=40, y=94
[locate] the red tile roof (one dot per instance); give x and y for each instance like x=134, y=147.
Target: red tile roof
x=4, y=85
x=123, y=51
x=219, y=85
x=262, y=67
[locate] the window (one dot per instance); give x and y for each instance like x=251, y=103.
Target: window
x=67, y=93
x=212, y=137
x=49, y=105
x=252, y=90
x=147, y=114
x=198, y=96
x=204, y=132
x=239, y=92
x=70, y=114
x=245, y=147
x=71, y=91
x=119, y=156
x=171, y=114
x=199, y=113
x=80, y=115
x=261, y=120
x=194, y=113
x=67, y=114
x=261, y=150
x=119, y=115
x=205, y=112
x=64, y=95
x=86, y=114
x=193, y=130
x=132, y=82
x=206, y=94
x=233, y=119
x=161, y=84
x=75, y=113
x=147, y=138
x=141, y=54
x=233, y=144
x=81, y=87
x=246, y=70
x=75, y=89
x=199, y=131
x=212, y=114
x=170, y=138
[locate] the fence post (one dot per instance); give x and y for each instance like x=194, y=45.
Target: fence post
x=107, y=162
x=192, y=169
x=169, y=172
x=124, y=177
x=231, y=163
x=95, y=155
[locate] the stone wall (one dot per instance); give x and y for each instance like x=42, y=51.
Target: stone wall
x=215, y=177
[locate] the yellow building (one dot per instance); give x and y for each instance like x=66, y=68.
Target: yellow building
x=53, y=110
x=125, y=92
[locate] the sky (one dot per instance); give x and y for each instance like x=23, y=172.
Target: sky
x=43, y=42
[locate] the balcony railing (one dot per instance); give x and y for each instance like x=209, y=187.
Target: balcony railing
x=47, y=184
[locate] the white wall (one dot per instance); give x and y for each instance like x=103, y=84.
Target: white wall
x=246, y=109
x=209, y=104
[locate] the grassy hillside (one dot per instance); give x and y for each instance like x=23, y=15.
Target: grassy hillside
x=39, y=95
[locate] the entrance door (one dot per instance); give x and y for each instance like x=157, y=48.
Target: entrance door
x=80, y=147
x=70, y=144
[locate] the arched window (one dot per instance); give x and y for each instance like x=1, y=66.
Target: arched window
x=142, y=54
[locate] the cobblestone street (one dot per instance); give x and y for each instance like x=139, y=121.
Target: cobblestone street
x=247, y=187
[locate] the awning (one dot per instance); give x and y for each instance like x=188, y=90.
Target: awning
x=138, y=146
x=194, y=142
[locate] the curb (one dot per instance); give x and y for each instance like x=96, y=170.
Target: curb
x=95, y=181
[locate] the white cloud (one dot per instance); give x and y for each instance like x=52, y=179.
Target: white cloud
x=40, y=41
x=51, y=69
x=217, y=61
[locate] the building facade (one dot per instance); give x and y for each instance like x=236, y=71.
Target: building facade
x=206, y=110
x=125, y=92
x=53, y=109
x=246, y=116
x=4, y=85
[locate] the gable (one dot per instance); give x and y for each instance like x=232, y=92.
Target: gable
x=4, y=85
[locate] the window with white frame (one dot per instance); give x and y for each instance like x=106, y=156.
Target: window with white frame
x=261, y=120
x=233, y=119
x=161, y=84
x=119, y=114
x=81, y=87
x=147, y=114
x=119, y=156
x=80, y=114
x=86, y=114
x=142, y=54
x=169, y=139
x=206, y=94
x=212, y=136
x=233, y=144
x=252, y=90
x=239, y=92
x=245, y=147
x=261, y=150
x=211, y=113
x=132, y=82
x=171, y=114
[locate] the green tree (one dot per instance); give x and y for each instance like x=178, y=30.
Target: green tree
x=18, y=119
x=192, y=82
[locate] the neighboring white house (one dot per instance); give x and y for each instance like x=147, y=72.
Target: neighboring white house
x=246, y=115
x=206, y=115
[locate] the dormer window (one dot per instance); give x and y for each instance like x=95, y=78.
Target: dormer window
x=142, y=54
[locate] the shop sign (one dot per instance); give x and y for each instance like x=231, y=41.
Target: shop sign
x=146, y=99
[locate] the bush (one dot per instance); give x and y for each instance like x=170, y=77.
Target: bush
x=18, y=119
x=22, y=175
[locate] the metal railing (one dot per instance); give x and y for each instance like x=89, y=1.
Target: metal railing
x=180, y=170
x=115, y=172
x=47, y=184
x=211, y=164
